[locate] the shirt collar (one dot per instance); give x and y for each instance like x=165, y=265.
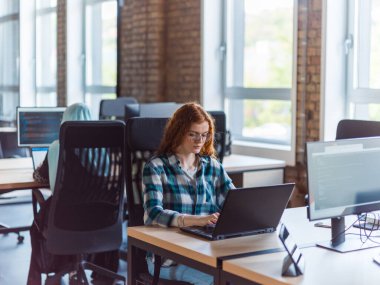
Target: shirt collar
x=174, y=161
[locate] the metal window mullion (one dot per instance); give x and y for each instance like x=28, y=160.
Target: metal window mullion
x=9, y=88
x=46, y=11
x=46, y=89
x=365, y=96
x=258, y=93
x=239, y=43
x=100, y=89
x=9, y=18
x=94, y=2
x=97, y=44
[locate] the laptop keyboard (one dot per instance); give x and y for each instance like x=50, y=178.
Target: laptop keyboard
x=205, y=229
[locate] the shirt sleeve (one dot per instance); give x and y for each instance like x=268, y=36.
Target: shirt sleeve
x=41, y=174
x=154, y=213
x=224, y=184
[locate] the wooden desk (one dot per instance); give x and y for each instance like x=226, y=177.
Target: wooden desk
x=17, y=174
x=186, y=249
x=322, y=266
x=250, y=171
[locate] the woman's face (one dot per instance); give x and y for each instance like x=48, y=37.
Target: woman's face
x=196, y=137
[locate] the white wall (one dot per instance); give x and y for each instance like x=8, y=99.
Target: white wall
x=333, y=68
x=75, y=60
x=211, y=39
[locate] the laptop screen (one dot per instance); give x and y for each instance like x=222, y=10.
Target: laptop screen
x=38, y=155
x=38, y=127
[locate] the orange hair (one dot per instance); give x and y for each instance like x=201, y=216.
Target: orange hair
x=180, y=123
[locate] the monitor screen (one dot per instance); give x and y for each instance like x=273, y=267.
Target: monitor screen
x=38, y=126
x=343, y=177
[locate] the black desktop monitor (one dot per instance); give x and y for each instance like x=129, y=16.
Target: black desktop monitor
x=38, y=126
x=343, y=179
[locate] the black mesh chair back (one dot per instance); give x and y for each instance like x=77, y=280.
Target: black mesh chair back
x=350, y=129
x=143, y=137
x=220, y=133
x=86, y=210
x=114, y=108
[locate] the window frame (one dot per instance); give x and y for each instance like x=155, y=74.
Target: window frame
x=245, y=145
x=44, y=88
x=11, y=88
x=359, y=97
x=97, y=92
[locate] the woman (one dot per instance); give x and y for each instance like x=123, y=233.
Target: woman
x=47, y=172
x=184, y=184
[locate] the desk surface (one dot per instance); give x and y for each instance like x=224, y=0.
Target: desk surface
x=239, y=163
x=322, y=266
x=17, y=174
x=207, y=252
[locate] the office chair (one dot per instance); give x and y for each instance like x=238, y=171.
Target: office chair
x=151, y=110
x=131, y=110
x=143, y=137
x=114, y=108
x=349, y=129
x=86, y=209
x=220, y=133
x=167, y=109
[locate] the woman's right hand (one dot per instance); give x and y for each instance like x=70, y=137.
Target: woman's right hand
x=191, y=220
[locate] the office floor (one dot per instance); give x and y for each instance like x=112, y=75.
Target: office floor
x=14, y=257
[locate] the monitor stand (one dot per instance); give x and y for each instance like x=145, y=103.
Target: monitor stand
x=339, y=242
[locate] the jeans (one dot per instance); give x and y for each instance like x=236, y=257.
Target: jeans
x=182, y=273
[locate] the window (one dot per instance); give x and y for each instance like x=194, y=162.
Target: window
x=9, y=60
x=362, y=46
x=100, y=51
x=46, y=52
x=259, y=72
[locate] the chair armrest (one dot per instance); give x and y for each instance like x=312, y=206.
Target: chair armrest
x=37, y=199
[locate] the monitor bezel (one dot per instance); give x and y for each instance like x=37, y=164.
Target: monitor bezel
x=34, y=109
x=341, y=211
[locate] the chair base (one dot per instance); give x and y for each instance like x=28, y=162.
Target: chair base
x=5, y=229
x=81, y=277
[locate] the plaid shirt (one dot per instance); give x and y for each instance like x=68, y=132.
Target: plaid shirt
x=168, y=191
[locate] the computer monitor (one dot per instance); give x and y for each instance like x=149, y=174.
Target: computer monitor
x=343, y=179
x=38, y=126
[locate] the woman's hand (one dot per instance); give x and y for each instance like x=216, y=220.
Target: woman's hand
x=191, y=220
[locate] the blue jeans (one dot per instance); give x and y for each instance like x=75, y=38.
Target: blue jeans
x=182, y=273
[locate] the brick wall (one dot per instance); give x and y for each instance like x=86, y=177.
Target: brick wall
x=142, y=55
x=160, y=50
x=183, y=51
x=308, y=91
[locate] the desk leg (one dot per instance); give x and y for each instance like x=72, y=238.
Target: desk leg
x=237, y=179
x=136, y=261
x=132, y=270
x=230, y=279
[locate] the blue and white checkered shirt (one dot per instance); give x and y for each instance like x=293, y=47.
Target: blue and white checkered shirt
x=168, y=191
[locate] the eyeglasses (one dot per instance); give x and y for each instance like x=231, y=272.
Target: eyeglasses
x=196, y=137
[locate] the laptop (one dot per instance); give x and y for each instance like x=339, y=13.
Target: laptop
x=247, y=211
x=38, y=155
